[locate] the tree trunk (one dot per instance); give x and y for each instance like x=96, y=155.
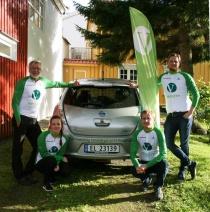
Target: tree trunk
x=185, y=51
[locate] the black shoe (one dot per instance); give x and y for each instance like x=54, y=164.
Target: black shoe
x=145, y=186
x=32, y=179
x=158, y=193
x=181, y=176
x=47, y=187
x=24, y=181
x=192, y=169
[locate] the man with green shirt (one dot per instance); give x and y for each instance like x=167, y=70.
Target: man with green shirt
x=27, y=98
x=177, y=85
x=149, y=143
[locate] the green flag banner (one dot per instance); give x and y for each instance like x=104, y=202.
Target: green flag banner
x=145, y=52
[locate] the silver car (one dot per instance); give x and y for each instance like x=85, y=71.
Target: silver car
x=100, y=117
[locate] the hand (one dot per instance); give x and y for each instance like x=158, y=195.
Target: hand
x=189, y=113
x=65, y=159
x=18, y=123
x=56, y=169
x=133, y=84
x=76, y=83
x=141, y=169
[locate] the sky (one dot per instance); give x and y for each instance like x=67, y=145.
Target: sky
x=70, y=3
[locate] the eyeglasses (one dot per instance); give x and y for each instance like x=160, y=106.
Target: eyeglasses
x=36, y=68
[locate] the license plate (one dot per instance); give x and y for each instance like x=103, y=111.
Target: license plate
x=101, y=148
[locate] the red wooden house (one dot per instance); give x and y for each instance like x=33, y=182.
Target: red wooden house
x=13, y=56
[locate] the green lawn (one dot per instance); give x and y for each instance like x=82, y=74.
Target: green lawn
x=98, y=187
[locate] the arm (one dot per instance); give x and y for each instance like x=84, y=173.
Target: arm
x=191, y=86
x=159, y=80
x=19, y=88
x=53, y=84
x=134, y=148
x=59, y=156
x=162, y=148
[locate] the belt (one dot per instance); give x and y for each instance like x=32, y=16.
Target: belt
x=174, y=114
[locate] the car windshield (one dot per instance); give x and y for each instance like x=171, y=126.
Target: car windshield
x=100, y=97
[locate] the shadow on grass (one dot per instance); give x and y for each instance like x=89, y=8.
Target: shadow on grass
x=201, y=138
x=91, y=183
x=101, y=187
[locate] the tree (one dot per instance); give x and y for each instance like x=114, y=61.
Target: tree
x=179, y=26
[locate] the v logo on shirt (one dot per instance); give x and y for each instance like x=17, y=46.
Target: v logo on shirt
x=171, y=87
x=36, y=94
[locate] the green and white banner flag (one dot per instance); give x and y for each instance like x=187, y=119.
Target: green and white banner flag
x=145, y=51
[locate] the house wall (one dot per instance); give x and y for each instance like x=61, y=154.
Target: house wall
x=46, y=46
x=69, y=29
x=12, y=13
x=73, y=71
x=65, y=48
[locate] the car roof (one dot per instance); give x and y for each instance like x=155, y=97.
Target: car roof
x=104, y=82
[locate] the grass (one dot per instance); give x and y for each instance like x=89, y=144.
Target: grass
x=97, y=187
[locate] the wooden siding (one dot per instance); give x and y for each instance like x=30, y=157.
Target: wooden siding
x=13, y=22
x=202, y=70
x=71, y=70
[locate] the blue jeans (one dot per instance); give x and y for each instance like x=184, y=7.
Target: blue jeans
x=171, y=127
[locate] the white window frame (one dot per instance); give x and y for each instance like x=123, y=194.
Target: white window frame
x=8, y=42
x=37, y=17
x=128, y=68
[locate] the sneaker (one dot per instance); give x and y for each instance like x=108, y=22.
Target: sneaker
x=158, y=193
x=181, y=176
x=145, y=186
x=192, y=169
x=32, y=179
x=24, y=181
x=47, y=187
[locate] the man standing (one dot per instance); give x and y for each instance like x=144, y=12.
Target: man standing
x=26, y=101
x=180, y=108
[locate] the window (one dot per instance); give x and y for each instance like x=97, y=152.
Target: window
x=102, y=97
x=128, y=72
x=133, y=75
x=8, y=46
x=35, y=12
x=123, y=74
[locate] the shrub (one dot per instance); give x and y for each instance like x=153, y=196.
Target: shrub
x=203, y=107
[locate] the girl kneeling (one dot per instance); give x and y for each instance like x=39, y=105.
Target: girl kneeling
x=51, y=148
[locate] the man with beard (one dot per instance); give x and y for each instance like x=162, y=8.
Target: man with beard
x=27, y=98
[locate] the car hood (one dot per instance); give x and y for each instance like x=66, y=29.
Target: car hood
x=102, y=122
